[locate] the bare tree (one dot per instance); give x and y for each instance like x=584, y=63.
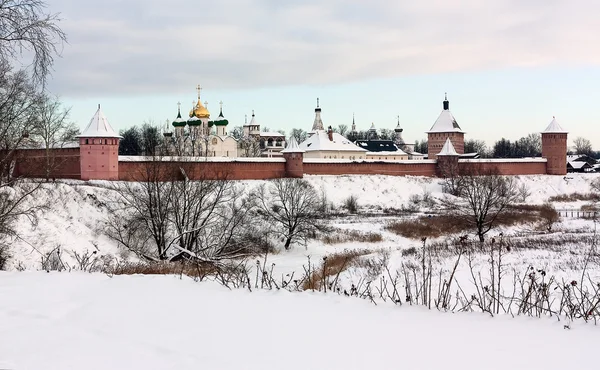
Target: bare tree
x=342, y=129
x=27, y=28
x=237, y=132
x=53, y=128
x=291, y=208
x=139, y=216
x=299, y=134
x=249, y=146
x=483, y=196
x=582, y=145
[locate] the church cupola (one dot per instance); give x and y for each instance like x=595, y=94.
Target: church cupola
x=221, y=123
x=178, y=122
x=446, y=103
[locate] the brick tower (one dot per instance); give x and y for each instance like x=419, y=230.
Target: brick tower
x=554, y=148
x=447, y=161
x=99, y=150
x=294, y=159
x=445, y=127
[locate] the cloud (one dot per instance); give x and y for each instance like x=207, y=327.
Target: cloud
x=148, y=46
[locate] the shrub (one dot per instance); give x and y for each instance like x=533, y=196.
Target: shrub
x=343, y=236
x=574, y=197
x=351, y=204
x=549, y=216
x=333, y=265
x=194, y=270
x=523, y=193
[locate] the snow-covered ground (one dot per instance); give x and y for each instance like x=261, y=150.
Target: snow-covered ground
x=61, y=321
x=78, y=209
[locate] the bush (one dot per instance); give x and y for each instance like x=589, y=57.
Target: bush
x=549, y=216
x=351, y=204
x=574, y=197
x=333, y=265
x=194, y=270
x=343, y=236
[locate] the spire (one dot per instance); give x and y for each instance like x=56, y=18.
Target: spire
x=353, y=123
x=245, y=119
x=221, y=112
x=554, y=128
x=318, y=123
x=398, y=128
x=446, y=102
x=178, y=109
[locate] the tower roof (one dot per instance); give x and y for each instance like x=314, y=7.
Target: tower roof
x=554, y=128
x=292, y=147
x=99, y=127
x=446, y=121
x=448, y=149
x=318, y=124
x=179, y=122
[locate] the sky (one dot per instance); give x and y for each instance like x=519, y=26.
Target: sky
x=508, y=66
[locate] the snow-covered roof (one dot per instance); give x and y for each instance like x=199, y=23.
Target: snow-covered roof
x=292, y=147
x=99, y=127
x=579, y=165
x=445, y=123
x=448, y=149
x=319, y=141
x=278, y=134
x=554, y=128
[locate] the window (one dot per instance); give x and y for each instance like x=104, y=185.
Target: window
x=87, y=141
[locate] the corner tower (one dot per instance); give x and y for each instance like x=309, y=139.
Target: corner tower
x=99, y=150
x=294, y=159
x=445, y=127
x=554, y=148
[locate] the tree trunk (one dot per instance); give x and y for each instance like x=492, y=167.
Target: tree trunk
x=288, y=242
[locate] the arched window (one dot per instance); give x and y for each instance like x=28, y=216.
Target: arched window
x=270, y=142
x=278, y=142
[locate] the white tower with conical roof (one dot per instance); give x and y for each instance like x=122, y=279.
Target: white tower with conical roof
x=445, y=127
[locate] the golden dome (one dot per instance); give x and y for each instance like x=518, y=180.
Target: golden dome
x=200, y=111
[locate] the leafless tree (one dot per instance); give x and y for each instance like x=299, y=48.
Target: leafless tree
x=291, y=208
x=249, y=146
x=140, y=215
x=27, y=28
x=53, y=128
x=484, y=196
x=582, y=145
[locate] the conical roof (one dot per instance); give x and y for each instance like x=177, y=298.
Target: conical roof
x=99, y=127
x=448, y=149
x=554, y=128
x=445, y=122
x=292, y=147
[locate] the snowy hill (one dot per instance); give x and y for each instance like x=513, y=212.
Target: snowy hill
x=77, y=210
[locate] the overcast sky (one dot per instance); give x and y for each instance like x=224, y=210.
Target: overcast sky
x=508, y=65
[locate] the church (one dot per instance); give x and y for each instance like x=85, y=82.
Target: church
x=199, y=135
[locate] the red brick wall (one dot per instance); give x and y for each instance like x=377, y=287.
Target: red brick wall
x=554, y=148
x=436, y=141
x=99, y=158
x=131, y=171
x=378, y=168
x=508, y=167
x=32, y=163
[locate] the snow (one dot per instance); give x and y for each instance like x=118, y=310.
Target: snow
x=554, y=128
x=448, y=149
x=445, y=123
x=292, y=147
x=271, y=134
x=319, y=141
x=99, y=127
x=74, y=321
x=140, y=158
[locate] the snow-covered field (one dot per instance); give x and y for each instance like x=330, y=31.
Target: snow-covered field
x=75, y=320
x=60, y=321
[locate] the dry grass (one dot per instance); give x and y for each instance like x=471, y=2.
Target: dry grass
x=442, y=225
x=344, y=236
x=573, y=197
x=163, y=268
x=333, y=265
